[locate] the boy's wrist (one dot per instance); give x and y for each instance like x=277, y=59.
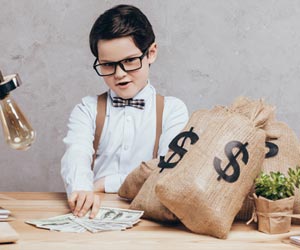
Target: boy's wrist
x=85, y=188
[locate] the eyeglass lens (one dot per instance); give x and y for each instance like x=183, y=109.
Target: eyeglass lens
x=126, y=65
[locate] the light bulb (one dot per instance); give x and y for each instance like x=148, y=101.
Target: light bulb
x=17, y=130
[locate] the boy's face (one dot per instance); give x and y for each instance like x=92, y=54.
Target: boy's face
x=125, y=84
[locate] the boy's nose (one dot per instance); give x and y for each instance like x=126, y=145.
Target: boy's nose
x=120, y=73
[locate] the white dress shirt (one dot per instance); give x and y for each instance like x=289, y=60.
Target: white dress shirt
x=127, y=139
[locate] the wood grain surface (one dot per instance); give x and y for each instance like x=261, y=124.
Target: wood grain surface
x=145, y=235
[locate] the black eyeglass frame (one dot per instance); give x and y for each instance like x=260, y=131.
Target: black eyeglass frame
x=119, y=63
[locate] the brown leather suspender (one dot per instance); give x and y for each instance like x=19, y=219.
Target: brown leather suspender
x=159, y=115
x=100, y=118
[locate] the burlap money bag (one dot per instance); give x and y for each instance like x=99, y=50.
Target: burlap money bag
x=146, y=199
x=247, y=107
x=136, y=178
x=282, y=152
x=207, y=187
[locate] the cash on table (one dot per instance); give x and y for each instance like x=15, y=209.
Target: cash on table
x=4, y=214
x=107, y=219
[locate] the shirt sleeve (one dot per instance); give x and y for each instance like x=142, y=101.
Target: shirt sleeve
x=76, y=162
x=175, y=117
x=112, y=183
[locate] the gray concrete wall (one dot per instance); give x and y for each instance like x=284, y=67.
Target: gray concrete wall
x=210, y=52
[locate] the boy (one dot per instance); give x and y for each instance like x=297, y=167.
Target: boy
x=123, y=42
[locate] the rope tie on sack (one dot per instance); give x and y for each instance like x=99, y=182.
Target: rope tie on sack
x=271, y=215
x=255, y=214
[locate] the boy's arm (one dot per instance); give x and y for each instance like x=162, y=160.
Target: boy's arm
x=74, y=171
x=99, y=185
x=110, y=183
x=113, y=182
x=175, y=117
x=76, y=162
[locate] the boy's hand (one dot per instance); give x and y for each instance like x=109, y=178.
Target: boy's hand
x=81, y=202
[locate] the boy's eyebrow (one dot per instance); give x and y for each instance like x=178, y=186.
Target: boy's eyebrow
x=129, y=56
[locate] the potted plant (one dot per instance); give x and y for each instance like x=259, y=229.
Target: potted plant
x=274, y=200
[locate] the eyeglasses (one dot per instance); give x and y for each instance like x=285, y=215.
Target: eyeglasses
x=127, y=65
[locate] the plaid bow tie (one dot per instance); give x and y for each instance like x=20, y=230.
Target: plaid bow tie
x=136, y=103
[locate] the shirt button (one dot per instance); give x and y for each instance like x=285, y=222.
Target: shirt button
x=126, y=147
x=128, y=118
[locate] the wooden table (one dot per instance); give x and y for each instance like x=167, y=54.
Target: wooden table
x=145, y=235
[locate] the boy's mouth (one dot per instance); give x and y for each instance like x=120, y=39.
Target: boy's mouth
x=122, y=83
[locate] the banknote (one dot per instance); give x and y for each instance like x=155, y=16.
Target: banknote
x=107, y=219
x=4, y=213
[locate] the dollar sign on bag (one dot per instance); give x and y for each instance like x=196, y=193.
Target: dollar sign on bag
x=178, y=150
x=232, y=161
x=273, y=149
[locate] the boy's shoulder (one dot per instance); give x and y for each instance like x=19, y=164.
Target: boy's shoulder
x=87, y=104
x=174, y=107
x=175, y=112
x=174, y=102
x=89, y=100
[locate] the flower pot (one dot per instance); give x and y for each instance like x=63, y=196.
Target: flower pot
x=273, y=216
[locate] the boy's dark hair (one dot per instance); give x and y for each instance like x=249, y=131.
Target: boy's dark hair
x=122, y=21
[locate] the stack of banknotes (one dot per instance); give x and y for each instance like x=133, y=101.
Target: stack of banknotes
x=295, y=239
x=4, y=214
x=108, y=219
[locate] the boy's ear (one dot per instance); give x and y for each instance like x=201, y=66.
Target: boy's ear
x=152, y=53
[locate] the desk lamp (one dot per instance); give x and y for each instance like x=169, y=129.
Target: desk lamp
x=17, y=131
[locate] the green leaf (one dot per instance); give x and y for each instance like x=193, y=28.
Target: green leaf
x=276, y=185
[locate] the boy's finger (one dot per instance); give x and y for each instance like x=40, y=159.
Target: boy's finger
x=96, y=206
x=79, y=203
x=87, y=205
x=72, y=201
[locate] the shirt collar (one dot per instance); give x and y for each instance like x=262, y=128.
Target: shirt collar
x=144, y=93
